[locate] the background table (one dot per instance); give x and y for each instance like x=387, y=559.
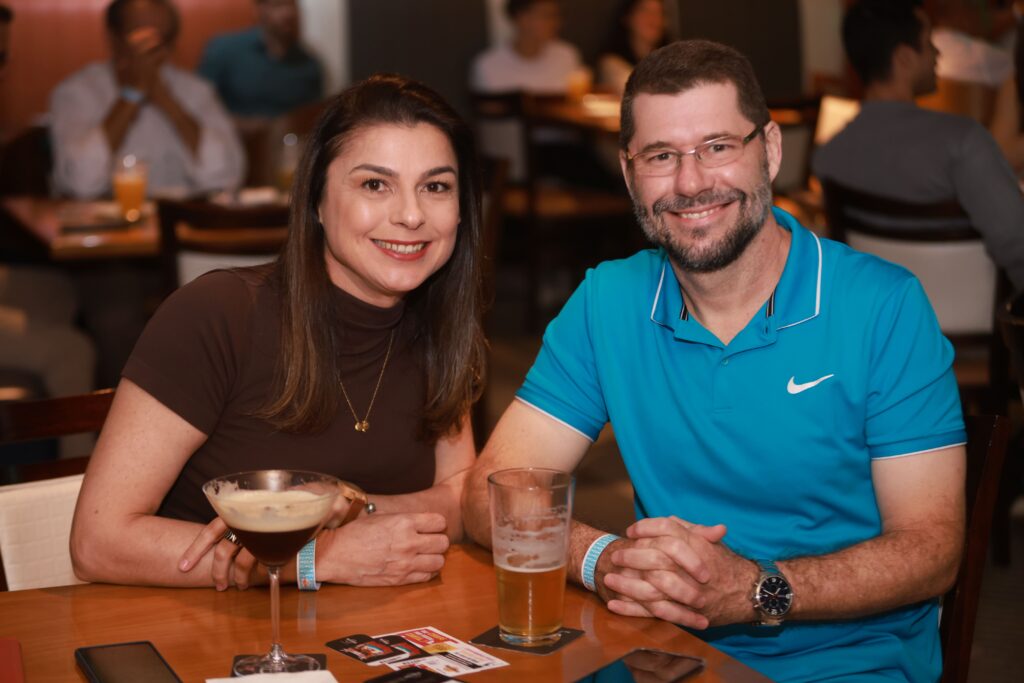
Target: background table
x=41, y=218
x=199, y=630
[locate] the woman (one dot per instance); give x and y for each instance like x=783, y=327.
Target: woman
x=639, y=28
x=358, y=353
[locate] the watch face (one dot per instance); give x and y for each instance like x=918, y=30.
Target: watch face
x=774, y=596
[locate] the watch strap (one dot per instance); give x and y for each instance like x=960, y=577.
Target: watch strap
x=306, y=567
x=356, y=498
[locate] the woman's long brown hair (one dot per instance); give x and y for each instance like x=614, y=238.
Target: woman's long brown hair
x=444, y=311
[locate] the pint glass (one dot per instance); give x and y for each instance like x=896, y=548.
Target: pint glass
x=531, y=511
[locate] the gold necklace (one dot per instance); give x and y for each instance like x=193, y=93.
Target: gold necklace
x=364, y=424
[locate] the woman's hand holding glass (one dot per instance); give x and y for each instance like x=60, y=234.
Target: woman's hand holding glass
x=233, y=565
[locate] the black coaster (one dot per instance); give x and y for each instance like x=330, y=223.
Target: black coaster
x=321, y=658
x=492, y=639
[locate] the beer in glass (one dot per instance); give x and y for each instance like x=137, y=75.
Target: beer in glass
x=531, y=510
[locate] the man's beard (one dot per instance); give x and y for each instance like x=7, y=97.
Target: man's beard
x=754, y=210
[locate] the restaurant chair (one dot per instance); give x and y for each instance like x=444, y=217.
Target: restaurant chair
x=797, y=119
x=1010, y=318
x=551, y=214
x=962, y=282
x=35, y=532
x=987, y=437
x=197, y=236
x=804, y=200
x=26, y=161
x=264, y=144
x=27, y=421
x=35, y=516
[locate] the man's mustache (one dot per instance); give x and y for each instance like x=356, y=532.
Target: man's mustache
x=679, y=203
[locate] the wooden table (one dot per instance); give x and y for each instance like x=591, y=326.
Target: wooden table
x=43, y=218
x=199, y=630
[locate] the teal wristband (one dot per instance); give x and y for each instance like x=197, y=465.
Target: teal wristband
x=306, y=570
x=591, y=557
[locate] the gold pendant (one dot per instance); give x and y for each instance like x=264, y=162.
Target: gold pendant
x=362, y=426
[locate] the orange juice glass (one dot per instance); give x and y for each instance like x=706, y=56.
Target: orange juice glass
x=130, y=186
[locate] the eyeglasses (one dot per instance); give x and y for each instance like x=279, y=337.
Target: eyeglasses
x=710, y=154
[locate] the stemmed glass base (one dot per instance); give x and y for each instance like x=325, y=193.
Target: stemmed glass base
x=275, y=662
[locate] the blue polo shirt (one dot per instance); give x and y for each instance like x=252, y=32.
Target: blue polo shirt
x=252, y=82
x=772, y=434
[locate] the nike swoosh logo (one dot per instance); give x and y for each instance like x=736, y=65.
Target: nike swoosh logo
x=795, y=388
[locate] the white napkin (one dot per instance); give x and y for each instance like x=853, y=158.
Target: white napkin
x=303, y=676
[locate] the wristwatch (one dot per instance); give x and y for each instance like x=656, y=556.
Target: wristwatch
x=357, y=501
x=773, y=596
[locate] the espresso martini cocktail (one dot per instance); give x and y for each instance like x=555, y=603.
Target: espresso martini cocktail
x=272, y=525
x=273, y=513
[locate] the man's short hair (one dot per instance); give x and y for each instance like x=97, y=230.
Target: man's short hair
x=686, y=64
x=873, y=29
x=6, y=15
x=115, y=17
x=513, y=8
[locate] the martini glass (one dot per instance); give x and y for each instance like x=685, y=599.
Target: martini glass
x=273, y=513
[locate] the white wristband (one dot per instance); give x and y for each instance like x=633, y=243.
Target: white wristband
x=590, y=559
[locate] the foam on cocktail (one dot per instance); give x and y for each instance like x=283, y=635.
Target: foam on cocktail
x=271, y=511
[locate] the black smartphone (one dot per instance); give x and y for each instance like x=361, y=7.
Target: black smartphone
x=125, y=663
x=645, y=665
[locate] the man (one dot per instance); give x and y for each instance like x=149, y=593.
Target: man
x=535, y=61
x=38, y=307
x=896, y=149
x=264, y=71
x=777, y=398
x=139, y=104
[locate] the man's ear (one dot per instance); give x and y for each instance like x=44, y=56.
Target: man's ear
x=626, y=175
x=773, y=148
x=903, y=58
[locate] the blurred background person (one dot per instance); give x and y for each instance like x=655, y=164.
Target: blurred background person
x=639, y=28
x=38, y=307
x=971, y=37
x=535, y=60
x=894, y=148
x=136, y=104
x=139, y=104
x=264, y=71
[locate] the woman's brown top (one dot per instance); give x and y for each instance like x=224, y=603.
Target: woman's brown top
x=210, y=353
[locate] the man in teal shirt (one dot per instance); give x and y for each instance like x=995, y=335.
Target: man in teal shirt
x=264, y=71
x=785, y=406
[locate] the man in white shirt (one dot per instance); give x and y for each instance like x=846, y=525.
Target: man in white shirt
x=139, y=104
x=535, y=61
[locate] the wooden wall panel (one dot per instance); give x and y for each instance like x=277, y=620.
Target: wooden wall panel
x=51, y=39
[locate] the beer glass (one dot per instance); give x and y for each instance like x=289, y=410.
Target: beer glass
x=531, y=510
x=129, y=183
x=274, y=513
